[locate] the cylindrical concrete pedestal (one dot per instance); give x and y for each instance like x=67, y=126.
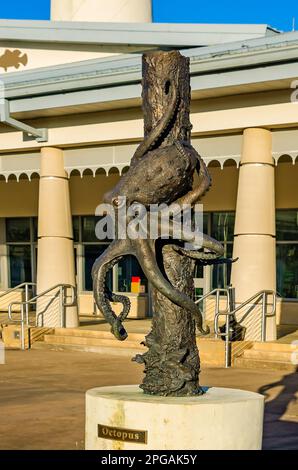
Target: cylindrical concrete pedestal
x=124, y=418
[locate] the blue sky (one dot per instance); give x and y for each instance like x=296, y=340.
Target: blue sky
x=275, y=13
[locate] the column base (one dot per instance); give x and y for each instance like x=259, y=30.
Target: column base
x=124, y=418
x=55, y=266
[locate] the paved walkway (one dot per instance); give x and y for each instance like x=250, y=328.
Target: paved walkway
x=42, y=397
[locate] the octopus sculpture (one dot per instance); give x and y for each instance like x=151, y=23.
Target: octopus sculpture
x=158, y=174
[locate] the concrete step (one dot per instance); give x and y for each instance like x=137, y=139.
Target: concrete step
x=105, y=350
x=280, y=356
x=244, y=363
x=274, y=355
x=85, y=341
x=103, y=342
x=269, y=355
x=85, y=333
x=212, y=351
x=274, y=346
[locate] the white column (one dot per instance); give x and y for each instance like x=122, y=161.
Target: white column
x=55, y=237
x=114, y=11
x=254, y=241
x=61, y=10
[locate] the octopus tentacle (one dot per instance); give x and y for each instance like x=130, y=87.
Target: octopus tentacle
x=204, y=258
x=215, y=248
x=112, y=297
x=160, y=127
x=197, y=255
x=146, y=257
x=102, y=294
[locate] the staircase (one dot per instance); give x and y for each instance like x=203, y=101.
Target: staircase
x=245, y=354
x=103, y=342
x=269, y=355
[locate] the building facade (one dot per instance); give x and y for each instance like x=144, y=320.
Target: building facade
x=83, y=90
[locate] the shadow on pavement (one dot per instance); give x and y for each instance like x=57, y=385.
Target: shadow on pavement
x=279, y=431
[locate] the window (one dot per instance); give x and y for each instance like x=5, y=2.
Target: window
x=91, y=252
x=20, y=264
x=21, y=238
x=222, y=226
x=199, y=269
x=128, y=268
x=76, y=229
x=222, y=229
x=221, y=274
x=88, y=229
x=287, y=253
x=18, y=230
x=118, y=279
x=219, y=225
x=287, y=225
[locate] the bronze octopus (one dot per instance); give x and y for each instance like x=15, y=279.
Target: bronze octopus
x=156, y=175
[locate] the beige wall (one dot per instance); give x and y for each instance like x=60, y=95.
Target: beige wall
x=138, y=308
x=19, y=199
x=286, y=185
x=87, y=192
x=223, y=193
x=43, y=56
x=286, y=312
x=126, y=125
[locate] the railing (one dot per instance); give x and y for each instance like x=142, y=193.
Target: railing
x=20, y=286
x=24, y=285
x=231, y=314
x=61, y=292
x=217, y=293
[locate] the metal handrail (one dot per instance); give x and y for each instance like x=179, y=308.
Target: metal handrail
x=25, y=318
x=20, y=286
x=259, y=294
x=263, y=294
x=217, y=291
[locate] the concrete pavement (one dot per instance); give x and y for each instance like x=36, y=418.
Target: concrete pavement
x=42, y=396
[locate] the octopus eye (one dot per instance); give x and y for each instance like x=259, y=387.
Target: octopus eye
x=116, y=202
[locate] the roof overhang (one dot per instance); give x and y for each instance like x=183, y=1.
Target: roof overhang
x=79, y=34
x=109, y=83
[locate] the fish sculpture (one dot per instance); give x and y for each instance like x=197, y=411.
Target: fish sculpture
x=13, y=59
